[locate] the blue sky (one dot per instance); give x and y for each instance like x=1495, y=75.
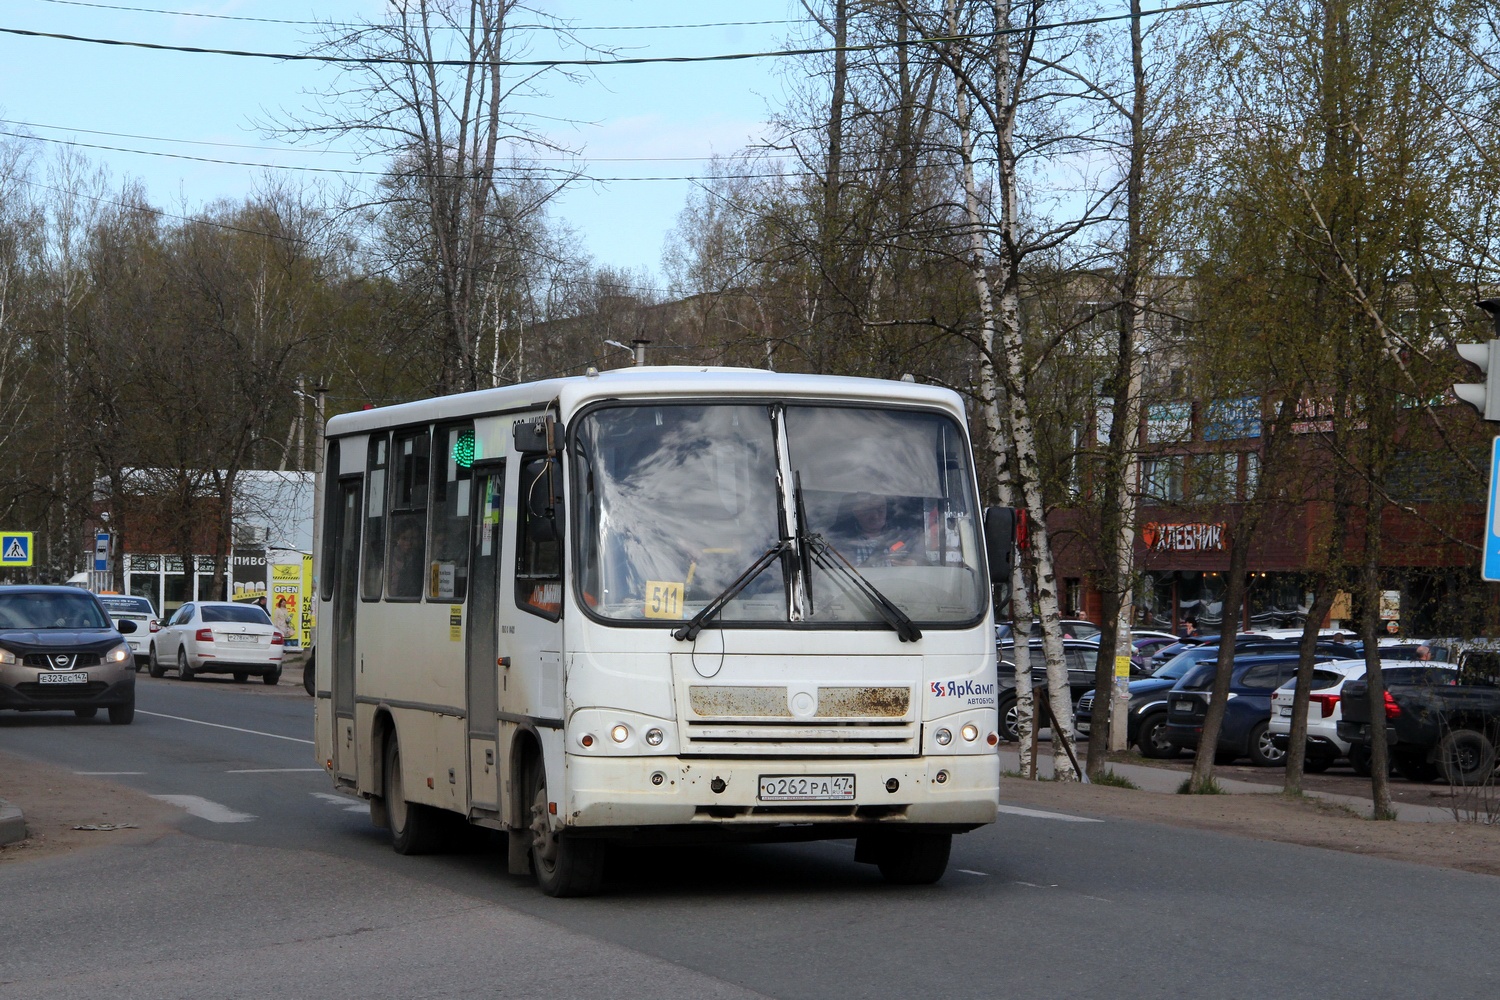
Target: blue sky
x=644, y=121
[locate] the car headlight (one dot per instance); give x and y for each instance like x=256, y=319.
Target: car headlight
x=119, y=654
x=6, y=656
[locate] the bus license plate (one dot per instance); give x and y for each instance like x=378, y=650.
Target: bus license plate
x=806, y=787
x=62, y=678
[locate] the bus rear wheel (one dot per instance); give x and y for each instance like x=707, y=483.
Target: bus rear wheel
x=564, y=865
x=414, y=827
x=912, y=858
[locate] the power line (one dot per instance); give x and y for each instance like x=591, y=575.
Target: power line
x=338, y=152
x=622, y=61
x=333, y=24
x=551, y=173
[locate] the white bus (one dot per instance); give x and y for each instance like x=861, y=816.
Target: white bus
x=662, y=602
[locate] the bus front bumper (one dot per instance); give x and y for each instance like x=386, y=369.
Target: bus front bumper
x=624, y=791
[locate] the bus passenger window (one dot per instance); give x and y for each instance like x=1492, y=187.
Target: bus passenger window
x=452, y=476
x=330, y=523
x=373, y=573
x=539, y=539
x=406, y=565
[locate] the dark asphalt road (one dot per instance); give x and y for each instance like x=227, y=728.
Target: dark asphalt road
x=305, y=899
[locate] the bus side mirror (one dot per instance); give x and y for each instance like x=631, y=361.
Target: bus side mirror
x=1000, y=542
x=541, y=435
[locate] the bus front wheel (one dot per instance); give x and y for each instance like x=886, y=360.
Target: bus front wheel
x=414, y=827
x=911, y=858
x=564, y=865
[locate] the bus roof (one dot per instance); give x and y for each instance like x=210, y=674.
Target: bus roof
x=651, y=381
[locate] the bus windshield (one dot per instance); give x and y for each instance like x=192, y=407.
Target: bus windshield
x=676, y=501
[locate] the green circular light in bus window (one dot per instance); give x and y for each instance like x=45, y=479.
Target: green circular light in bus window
x=463, y=450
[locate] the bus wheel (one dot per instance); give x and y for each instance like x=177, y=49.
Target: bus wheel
x=564, y=866
x=913, y=858
x=414, y=827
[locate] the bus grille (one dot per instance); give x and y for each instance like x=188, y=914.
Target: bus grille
x=734, y=720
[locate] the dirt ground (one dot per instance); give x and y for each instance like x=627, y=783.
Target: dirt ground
x=1307, y=821
x=56, y=801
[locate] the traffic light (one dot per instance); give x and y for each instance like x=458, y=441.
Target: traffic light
x=1483, y=396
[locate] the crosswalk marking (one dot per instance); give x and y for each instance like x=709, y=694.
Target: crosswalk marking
x=214, y=812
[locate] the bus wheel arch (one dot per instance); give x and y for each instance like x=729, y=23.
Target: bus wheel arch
x=382, y=729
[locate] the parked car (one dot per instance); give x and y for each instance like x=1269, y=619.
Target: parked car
x=59, y=651
x=218, y=637
x=1247, y=715
x=1325, y=710
x=1440, y=721
x=1072, y=628
x=124, y=607
x=1080, y=657
x=1146, y=717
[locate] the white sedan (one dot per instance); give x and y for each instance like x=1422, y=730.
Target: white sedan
x=218, y=637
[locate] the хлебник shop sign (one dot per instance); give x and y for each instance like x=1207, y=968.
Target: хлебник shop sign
x=1184, y=537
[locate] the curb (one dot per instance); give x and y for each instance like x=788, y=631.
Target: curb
x=12, y=824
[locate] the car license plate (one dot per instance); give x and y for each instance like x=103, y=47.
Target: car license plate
x=1183, y=706
x=1286, y=711
x=806, y=787
x=68, y=678
x=1082, y=727
x=243, y=638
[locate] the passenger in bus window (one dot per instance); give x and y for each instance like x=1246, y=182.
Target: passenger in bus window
x=870, y=536
x=406, y=561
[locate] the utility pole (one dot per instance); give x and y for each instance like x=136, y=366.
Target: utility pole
x=301, y=414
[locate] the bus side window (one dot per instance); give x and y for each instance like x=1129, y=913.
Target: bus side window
x=452, y=476
x=373, y=574
x=539, y=538
x=406, y=563
x=330, y=519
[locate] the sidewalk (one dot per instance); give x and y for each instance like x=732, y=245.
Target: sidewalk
x=1168, y=780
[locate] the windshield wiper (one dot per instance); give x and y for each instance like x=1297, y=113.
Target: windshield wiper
x=815, y=549
x=690, y=631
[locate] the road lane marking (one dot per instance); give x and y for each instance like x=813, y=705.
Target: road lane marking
x=1039, y=814
x=106, y=774
x=342, y=801
x=216, y=725
x=970, y=871
x=204, y=809
x=278, y=770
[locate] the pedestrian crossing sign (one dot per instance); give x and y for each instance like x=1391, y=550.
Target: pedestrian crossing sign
x=15, y=548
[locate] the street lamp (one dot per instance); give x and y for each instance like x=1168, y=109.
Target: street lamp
x=639, y=350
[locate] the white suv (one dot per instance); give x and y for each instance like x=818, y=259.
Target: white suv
x=1325, y=709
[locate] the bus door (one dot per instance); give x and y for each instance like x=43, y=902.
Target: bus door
x=531, y=688
x=483, y=657
x=345, y=550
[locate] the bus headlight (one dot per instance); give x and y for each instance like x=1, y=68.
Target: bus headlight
x=943, y=737
x=970, y=732
x=654, y=737
x=619, y=734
